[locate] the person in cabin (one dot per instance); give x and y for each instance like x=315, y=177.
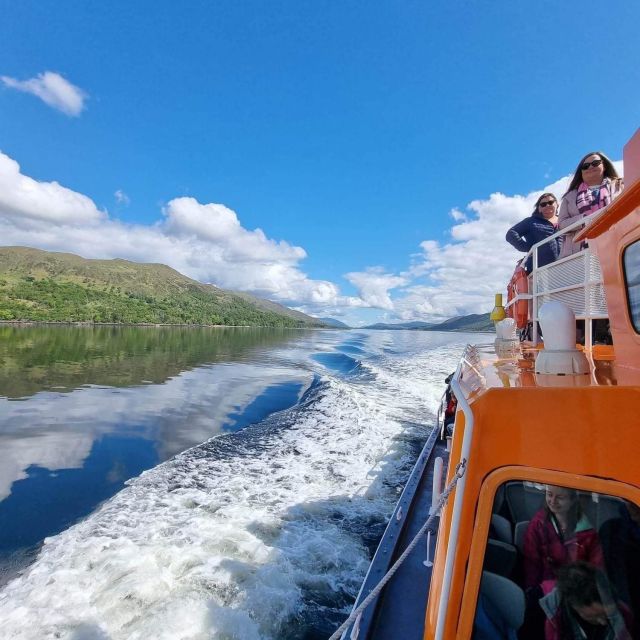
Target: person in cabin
x=581, y=605
x=541, y=224
x=620, y=539
x=451, y=403
x=594, y=185
x=559, y=533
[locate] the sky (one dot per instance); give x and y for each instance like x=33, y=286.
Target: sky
x=350, y=159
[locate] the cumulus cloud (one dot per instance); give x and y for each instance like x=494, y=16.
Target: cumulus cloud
x=373, y=286
x=462, y=275
x=216, y=224
x=52, y=89
x=28, y=203
x=206, y=242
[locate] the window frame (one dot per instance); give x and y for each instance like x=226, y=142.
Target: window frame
x=635, y=322
x=484, y=510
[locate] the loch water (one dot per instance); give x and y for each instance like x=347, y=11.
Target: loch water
x=218, y=483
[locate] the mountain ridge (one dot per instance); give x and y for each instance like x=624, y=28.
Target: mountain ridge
x=37, y=285
x=472, y=322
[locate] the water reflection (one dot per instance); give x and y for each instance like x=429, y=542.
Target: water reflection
x=84, y=409
x=65, y=358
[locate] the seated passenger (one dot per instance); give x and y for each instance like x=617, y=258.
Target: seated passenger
x=451, y=403
x=582, y=606
x=620, y=538
x=559, y=533
x=489, y=624
x=541, y=224
x=594, y=185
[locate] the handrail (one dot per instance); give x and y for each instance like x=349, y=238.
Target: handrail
x=586, y=286
x=558, y=234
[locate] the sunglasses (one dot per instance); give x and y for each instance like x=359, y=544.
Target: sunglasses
x=593, y=163
x=547, y=203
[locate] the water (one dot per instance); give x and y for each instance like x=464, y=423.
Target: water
x=202, y=483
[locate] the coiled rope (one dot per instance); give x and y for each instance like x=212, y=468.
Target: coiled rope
x=444, y=496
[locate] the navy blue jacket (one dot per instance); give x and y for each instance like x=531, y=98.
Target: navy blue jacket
x=530, y=231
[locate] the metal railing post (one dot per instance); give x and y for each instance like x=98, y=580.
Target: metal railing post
x=588, y=327
x=534, y=293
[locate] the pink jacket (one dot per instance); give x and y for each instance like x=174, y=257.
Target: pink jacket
x=569, y=214
x=545, y=551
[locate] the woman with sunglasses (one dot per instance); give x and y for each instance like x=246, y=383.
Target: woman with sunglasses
x=541, y=224
x=595, y=184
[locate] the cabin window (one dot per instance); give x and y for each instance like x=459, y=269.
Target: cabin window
x=559, y=563
x=631, y=260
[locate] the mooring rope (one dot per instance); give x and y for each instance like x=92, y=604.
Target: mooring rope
x=444, y=496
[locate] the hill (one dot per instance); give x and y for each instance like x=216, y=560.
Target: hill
x=401, y=325
x=274, y=307
x=472, y=322
x=332, y=322
x=62, y=287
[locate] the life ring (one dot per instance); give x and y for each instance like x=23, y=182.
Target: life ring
x=518, y=285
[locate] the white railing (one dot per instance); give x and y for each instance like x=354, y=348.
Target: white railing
x=575, y=281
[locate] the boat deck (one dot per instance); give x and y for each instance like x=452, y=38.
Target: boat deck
x=398, y=612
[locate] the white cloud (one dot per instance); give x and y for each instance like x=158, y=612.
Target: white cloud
x=374, y=285
x=207, y=242
x=457, y=215
x=461, y=276
x=53, y=90
x=204, y=241
x=28, y=202
x=122, y=198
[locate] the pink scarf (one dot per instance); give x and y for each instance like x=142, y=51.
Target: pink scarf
x=587, y=203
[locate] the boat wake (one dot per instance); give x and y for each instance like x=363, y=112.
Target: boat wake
x=260, y=533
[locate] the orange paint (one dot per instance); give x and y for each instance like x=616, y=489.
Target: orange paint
x=578, y=431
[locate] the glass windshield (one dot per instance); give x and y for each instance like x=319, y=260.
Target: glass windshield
x=560, y=563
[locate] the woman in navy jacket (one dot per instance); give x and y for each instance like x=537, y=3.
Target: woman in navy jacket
x=542, y=223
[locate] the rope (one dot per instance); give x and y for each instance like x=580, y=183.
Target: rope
x=460, y=469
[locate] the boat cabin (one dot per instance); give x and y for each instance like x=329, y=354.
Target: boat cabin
x=536, y=444
x=540, y=538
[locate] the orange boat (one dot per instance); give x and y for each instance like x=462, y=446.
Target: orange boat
x=550, y=423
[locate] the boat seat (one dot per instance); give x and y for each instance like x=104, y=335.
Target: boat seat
x=498, y=501
x=504, y=598
x=500, y=558
x=523, y=499
x=599, y=508
x=501, y=529
x=518, y=536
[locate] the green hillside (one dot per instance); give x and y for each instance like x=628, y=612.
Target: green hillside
x=62, y=287
x=472, y=322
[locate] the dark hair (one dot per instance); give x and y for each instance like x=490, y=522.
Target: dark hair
x=544, y=195
x=609, y=170
x=581, y=584
x=576, y=509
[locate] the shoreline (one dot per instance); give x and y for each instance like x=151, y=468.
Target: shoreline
x=79, y=323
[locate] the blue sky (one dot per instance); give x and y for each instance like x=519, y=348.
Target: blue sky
x=347, y=132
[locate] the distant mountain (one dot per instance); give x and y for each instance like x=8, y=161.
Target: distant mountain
x=332, y=322
x=62, y=287
x=402, y=325
x=472, y=322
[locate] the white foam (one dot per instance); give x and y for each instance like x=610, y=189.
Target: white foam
x=227, y=540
